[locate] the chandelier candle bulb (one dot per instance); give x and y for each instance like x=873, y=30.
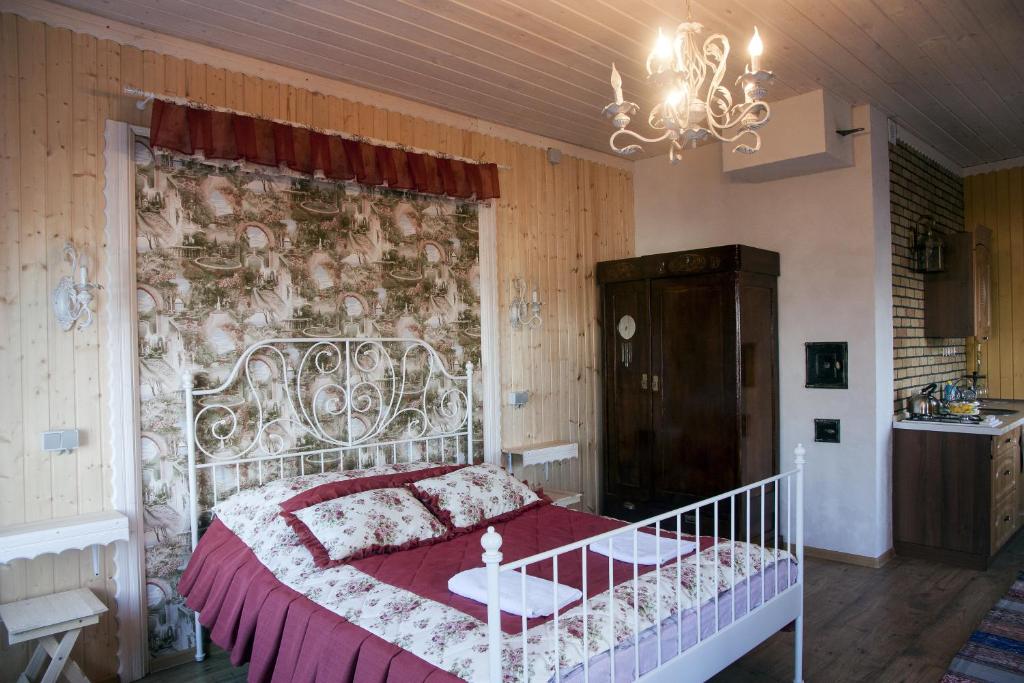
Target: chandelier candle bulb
x=756, y=49
x=616, y=84
x=662, y=47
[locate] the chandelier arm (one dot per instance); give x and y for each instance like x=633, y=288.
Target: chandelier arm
x=717, y=55
x=742, y=148
x=656, y=119
x=625, y=131
x=745, y=148
x=675, y=152
x=742, y=110
x=735, y=117
x=721, y=98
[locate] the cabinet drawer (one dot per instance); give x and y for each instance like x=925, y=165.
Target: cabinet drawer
x=1004, y=522
x=1010, y=439
x=1004, y=473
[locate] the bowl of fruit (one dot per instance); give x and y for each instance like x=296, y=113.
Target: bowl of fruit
x=963, y=408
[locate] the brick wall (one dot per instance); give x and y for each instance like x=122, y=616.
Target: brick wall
x=919, y=186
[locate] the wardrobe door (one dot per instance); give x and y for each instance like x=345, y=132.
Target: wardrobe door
x=627, y=417
x=759, y=377
x=694, y=396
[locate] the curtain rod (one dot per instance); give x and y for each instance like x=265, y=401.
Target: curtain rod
x=146, y=97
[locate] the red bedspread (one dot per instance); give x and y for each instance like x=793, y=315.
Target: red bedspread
x=260, y=620
x=426, y=570
x=283, y=635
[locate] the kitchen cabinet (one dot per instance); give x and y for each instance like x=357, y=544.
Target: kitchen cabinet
x=958, y=301
x=690, y=370
x=955, y=494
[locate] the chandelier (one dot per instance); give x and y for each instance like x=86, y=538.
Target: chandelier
x=695, y=106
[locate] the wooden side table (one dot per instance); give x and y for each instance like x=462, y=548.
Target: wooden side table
x=545, y=454
x=44, y=618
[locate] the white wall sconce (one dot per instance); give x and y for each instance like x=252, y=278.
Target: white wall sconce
x=71, y=300
x=523, y=313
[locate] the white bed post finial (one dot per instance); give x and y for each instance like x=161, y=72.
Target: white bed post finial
x=188, y=384
x=798, y=645
x=491, y=542
x=469, y=413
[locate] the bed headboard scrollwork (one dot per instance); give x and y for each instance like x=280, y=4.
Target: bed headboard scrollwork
x=297, y=406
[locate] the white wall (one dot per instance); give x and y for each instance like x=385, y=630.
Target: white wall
x=832, y=231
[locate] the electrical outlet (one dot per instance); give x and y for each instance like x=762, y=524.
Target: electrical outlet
x=60, y=440
x=827, y=365
x=518, y=399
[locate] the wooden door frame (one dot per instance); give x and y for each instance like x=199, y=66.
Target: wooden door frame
x=123, y=402
x=488, y=250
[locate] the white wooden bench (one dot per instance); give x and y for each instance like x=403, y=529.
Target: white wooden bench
x=45, y=617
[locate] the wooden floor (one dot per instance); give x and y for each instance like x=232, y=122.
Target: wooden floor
x=903, y=622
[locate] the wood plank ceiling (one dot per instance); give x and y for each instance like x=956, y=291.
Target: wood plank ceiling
x=951, y=71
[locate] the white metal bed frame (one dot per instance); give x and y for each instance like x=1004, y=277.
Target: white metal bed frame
x=394, y=399
x=402, y=407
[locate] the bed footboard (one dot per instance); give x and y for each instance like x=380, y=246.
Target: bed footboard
x=750, y=549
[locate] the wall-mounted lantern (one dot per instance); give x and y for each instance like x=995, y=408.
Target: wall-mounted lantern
x=929, y=247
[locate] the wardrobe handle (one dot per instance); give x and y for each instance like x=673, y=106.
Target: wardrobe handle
x=643, y=382
x=654, y=382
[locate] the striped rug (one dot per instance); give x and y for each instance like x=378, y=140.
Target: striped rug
x=995, y=651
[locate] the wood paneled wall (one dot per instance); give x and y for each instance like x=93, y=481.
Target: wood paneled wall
x=554, y=223
x=996, y=200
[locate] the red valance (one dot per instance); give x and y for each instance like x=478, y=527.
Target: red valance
x=224, y=135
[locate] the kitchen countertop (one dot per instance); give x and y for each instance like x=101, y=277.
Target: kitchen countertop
x=1003, y=424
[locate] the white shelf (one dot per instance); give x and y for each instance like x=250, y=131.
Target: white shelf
x=544, y=454
x=563, y=498
x=25, y=541
x=541, y=453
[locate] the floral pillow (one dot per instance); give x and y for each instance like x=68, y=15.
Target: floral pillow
x=346, y=487
x=472, y=496
x=251, y=509
x=366, y=523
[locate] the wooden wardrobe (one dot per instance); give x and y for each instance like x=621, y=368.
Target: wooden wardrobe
x=691, y=378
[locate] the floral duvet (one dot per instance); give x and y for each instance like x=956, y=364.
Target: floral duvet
x=402, y=597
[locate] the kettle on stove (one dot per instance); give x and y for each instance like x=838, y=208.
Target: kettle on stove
x=924, y=403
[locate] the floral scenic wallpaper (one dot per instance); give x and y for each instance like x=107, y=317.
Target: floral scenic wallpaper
x=229, y=257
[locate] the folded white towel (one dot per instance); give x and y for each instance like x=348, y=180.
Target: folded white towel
x=621, y=548
x=472, y=584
